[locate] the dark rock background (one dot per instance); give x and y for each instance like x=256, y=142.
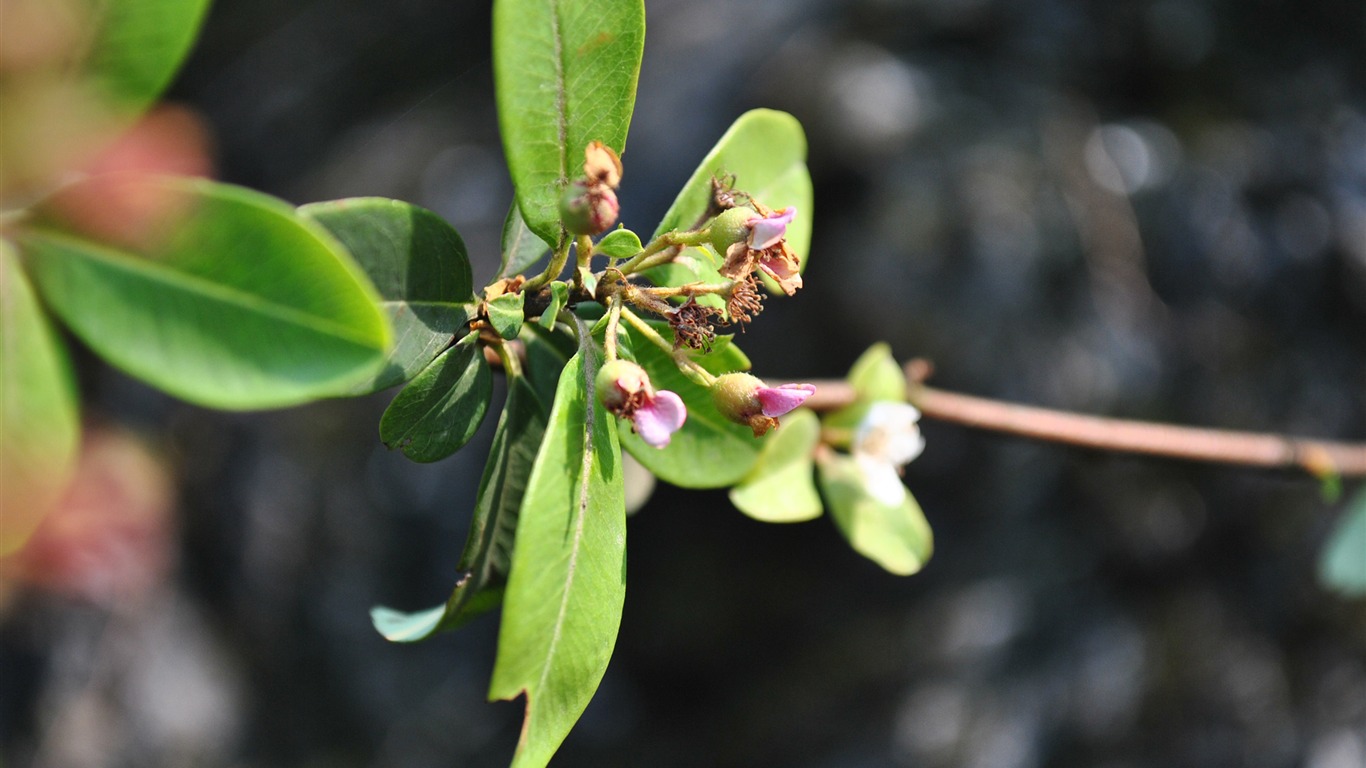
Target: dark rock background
x=1153, y=209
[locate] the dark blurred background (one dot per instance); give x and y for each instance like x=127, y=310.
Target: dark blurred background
x=1152, y=209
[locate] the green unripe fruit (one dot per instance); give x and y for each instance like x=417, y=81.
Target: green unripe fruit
x=734, y=396
x=730, y=227
x=618, y=381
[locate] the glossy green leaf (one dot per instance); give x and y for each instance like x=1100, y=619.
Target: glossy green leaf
x=563, y=602
x=766, y=152
x=559, y=295
x=507, y=313
x=710, y=451
x=487, y=557
x=418, y=263
x=565, y=74
x=233, y=300
x=1342, y=566
x=895, y=536
x=781, y=487
x=441, y=407
x=619, y=244
x=39, y=426
x=521, y=246
x=136, y=47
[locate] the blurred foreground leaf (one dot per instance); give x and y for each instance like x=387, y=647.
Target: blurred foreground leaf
x=137, y=46
x=1342, y=566
x=895, y=536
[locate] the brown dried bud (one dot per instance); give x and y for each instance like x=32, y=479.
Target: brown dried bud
x=745, y=301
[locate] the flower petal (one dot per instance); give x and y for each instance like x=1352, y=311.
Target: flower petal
x=765, y=232
x=889, y=433
x=783, y=271
x=880, y=480
x=776, y=401
x=657, y=420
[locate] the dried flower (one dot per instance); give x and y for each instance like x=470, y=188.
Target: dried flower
x=744, y=302
x=691, y=324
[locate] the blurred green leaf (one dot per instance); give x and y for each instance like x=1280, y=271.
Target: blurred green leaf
x=563, y=602
x=875, y=377
x=781, y=488
x=766, y=152
x=39, y=424
x=559, y=294
x=1342, y=566
x=418, y=263
x=440, y=409
x=230, y=298
x=710, y=451
x=521, y=246
x=506, y=314
x=619, y=244
x=488, y=551
x=895, y=536
x=565, y=75
x=136, y=47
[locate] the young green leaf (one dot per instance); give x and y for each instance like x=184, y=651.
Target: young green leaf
x=765, y=150
x=895, y=536
x=1342, y=566
x=563, y=602
x=418, y=263
x=521, y=246
x=506, y=314
x=488, y=551
x=441, y=407
x=619, y=244
x=875, y=376
x=565, y=74
x=137, y=46
x=39, y=427
x=710, y=451
x=559, y=295
x=780, y=488
x=230, y=298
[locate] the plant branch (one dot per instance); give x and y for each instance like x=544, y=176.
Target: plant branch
x=1320, y=458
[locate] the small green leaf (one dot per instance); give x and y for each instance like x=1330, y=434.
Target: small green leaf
x=766, y=152
x=233, y=301
x=565, y=75
x=521, y=246
x=39, y=425
x=418, y=263
x=875, y=376
x=562, y=606
x=441, y=407
x=1342, y=566
x=559, y=294
x=710, y=451
x=780, y=489
x=488, y=551
x=506, y=314
x=619, y=244
x=895, y=536
x=137, y=46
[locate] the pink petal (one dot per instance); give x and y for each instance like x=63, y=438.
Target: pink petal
x=767, y=231
x=657, y=420
x=776, y=401
x=788, y=278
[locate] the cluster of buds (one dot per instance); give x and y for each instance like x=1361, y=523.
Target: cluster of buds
x=755, y=237
x=747, y=400
x=625, y=390
x=589, y=206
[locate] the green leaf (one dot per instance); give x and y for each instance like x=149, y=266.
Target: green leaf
x=506, y=314
x=780, y=489
x=521, y=246
x=137, y=46
x=563, y=602
x=1342, y=566
x=488, y=551
x=440, y=409
x=710, y=451
x=232, y=301
x=39, y=425
x=565, y=74
x=875, y=377
x=766, y=152
x=559, y=294
x=418, y=263
x=619, y=244
x=895, y=536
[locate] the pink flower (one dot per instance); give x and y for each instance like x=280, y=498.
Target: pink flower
x=768, y=231
x=655, y=420
x=781, y=265
x=777, y=401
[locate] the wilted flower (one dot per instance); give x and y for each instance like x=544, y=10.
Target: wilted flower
x=887, y=439
x=756, y=239
x=768, y=231
x=745, y=399
x=624, y=389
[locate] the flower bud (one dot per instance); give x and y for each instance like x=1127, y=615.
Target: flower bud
x=588, y=209
x=744, y=399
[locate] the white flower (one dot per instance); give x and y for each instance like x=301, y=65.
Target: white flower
x=887, y=439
